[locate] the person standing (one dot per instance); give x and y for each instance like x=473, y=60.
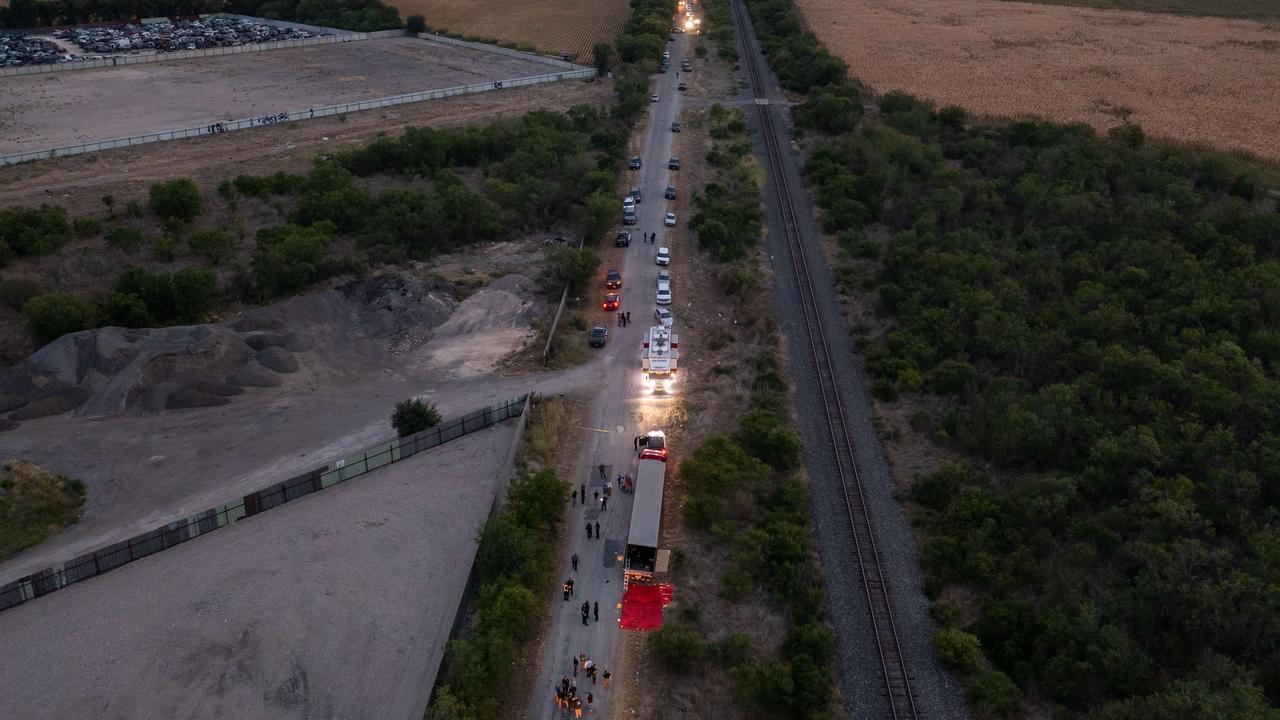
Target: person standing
x=595, y=610
x=577, y=708
x=575, y=498
x=574, y=560
x=574, y=662
x=589, y=530
x=586, y=611
x=608, y=678
x=628, y=318
x=590, y=699
x=597, y=529
x=595, y=494
x=584, y=487
x=604, y=503
x=569, y=584
x=565, y=588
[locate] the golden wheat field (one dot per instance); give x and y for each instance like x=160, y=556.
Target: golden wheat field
x=1202, y=80
x=551, y=26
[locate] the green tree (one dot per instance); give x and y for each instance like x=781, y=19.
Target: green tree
x=53, y=315
x=176, y=200
x=212, y=246
x=602, y=55
x=124, y=238
x=415, y=24
x=413, y=416
x=677, y=646
x=958, y=649
x=288, y=257
x=575, y=267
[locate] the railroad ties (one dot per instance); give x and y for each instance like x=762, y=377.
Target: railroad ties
x=897, y=683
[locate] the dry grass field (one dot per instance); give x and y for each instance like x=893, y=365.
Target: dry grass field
x=1202, y=80
x=551, y=26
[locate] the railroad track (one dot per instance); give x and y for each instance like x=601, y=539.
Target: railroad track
x=897, y=683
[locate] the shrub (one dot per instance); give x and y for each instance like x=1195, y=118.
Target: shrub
x=212, y=246
x=176, y=200
x=414, y=415
x=53, y=315
x=162, y=249
x=994, y=694
x=958, y=649
x=86, y=227
x=134, y=209
x=32, y=231
x=16, y=290
x=575, y=267
x=766, y=436
x=415, y=24
x=124, y=238
x=289, y=257
x=677, y=646
x=34, y=504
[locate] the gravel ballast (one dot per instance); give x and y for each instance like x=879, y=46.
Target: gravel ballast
x=939, y=695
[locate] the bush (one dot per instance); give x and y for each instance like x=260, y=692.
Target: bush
x=212, y=246
x=575, y=267
x=415, y=24
x=124, y=238
x=993, y=694
x=34, y=504
x=86, y=227
x=677, y=646
x=176, y=200
x=288, y=257
x=414, y=415
x=958, y=649
x=32, y=231
x=16, y=290
x=53, y=315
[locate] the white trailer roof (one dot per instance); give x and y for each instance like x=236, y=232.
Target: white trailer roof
x=646, y=511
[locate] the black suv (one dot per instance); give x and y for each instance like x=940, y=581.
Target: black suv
x=673, y=164
x=670, y=193
x=635, y=162
x=613, y=280
x=623, y=239
x=598, y=336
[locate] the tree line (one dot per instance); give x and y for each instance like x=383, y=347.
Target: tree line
x=1098, y=316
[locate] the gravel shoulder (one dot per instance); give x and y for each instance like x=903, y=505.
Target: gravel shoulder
x=938, y=694
x=337, y=605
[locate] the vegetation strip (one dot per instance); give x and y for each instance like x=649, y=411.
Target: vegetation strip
x=34, y=504
x=1092, y=316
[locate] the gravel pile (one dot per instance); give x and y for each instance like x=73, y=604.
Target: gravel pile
x=939, y=696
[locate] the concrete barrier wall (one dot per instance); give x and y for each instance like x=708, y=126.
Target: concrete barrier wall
x=217, y=128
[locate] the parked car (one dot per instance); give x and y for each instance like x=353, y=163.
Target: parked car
x=664, y=276
x=664, y=294
x=653, y=98
x=671, y=37
x=598, y=336
x=613, y=280
x=675, y=127
x=628, y=218
x=664, y=256
x=635, y=162
x=669, y=220
x=673, y=164
x=610, y=302
x=635, y=194
x=663, y=317
x=670, y=193
x=682, y=86
x=628, y=204
x=684, y=65
x=622, y=239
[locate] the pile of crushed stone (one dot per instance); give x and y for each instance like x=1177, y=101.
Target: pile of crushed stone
x=112, y=370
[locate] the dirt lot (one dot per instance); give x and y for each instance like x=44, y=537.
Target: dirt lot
x=552, y=26
x=1197, y=80
x=334, y=606
x=46, y=111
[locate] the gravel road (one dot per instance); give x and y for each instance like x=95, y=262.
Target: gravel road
x=939, y=695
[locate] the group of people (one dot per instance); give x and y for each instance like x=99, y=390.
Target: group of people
x=649, y=239
x=624, y=319
x=567, y=690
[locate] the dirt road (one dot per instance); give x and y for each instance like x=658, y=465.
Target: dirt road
x=337, y=605
x=623, y=409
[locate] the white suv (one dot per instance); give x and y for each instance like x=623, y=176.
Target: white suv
x=664, y=294
x=664, y=256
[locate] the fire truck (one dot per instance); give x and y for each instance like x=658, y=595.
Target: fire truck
x=659, y=358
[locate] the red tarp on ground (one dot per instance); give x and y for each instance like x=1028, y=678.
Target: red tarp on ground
x=642, y=606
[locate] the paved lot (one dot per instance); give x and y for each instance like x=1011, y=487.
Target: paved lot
x=68, y=108
x=335, y=606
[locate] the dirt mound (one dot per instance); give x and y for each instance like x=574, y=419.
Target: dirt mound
x=112, y=370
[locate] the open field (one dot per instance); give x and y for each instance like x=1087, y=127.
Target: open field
x=334, y=606
x=1198, y=80
x=76, y=107
x=551, y=26
x=1256, y=9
